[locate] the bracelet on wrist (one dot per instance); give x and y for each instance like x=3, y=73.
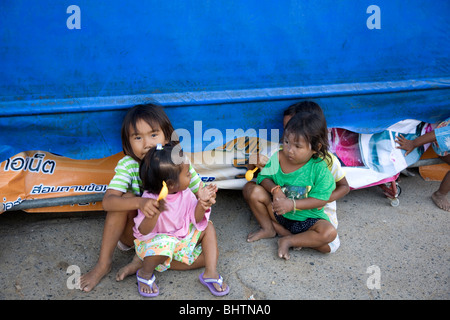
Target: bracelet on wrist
x=274, y=188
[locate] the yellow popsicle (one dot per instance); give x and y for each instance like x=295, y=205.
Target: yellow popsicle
x=249, y=174
x=164, y=192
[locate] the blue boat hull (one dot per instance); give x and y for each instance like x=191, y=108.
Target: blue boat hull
x=68, y=74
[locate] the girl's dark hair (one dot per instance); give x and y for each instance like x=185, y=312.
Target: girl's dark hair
x=158, y=166
x=305, y=106
x=152, y=114
x=313, y=129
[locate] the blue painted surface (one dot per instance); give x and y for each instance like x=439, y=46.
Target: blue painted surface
x=230, y=64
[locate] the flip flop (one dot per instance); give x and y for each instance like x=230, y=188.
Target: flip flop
x=150, y=282
x=123, y=247
x=209, y=283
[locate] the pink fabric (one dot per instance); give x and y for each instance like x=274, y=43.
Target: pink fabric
x=390, y=179
x=176, y=219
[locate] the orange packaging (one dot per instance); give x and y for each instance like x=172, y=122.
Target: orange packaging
x=435, y=172
x=36, y=175
x=41, y=175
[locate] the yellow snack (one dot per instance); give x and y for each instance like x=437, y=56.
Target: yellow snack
x=164, y=192
x=249, y=174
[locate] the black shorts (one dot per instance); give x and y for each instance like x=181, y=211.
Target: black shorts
x=295, y=226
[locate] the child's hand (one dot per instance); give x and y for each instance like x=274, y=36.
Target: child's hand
x=211, y=190
x=205, y=204
x=151, y=207
x=282, y=205
x=207, y=195
x=213, y=193
x=405, y=144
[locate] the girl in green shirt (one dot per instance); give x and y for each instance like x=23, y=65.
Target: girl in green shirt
x=293, y=188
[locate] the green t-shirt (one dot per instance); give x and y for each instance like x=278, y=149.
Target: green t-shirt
x=313, y=180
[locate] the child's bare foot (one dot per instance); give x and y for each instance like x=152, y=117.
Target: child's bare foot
x=283, y=248
x=261, y=234
x=129, y=269
x=441, y=201
x=89, y=280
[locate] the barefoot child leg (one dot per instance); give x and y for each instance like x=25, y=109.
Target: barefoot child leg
x=143, y=127
x=259, y=202
x=114, y=224
x=317, y=237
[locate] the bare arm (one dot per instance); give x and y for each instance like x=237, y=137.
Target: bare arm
x=148, y=224
x=342, y=188
x=200, y=210
x=115, y=200
x=281, y=204
x=284, y=205
x=410, y=145
x=206, y=198
x=268, y=185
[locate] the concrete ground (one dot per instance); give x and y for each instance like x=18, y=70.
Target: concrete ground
x=386, y=253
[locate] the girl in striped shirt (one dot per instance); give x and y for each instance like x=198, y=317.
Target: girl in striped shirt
x=143, y=127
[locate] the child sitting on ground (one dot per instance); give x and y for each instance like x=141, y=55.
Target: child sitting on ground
x=342, y=186
x=181, y=230
x=293, y=188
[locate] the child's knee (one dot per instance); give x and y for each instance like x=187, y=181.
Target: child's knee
x=256, y=193
x=247, y=190
x=120, y=216
x=329, y=234
x=210, y=226
x=326, y=231
x=210, y=230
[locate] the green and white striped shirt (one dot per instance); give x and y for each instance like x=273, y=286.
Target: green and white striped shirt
x=127, y=177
